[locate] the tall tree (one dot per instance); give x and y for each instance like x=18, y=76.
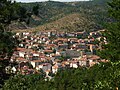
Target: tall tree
x=8, y=13
x=111, y=50
x=112, y=34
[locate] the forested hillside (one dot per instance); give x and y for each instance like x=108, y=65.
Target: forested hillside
x=46, y=12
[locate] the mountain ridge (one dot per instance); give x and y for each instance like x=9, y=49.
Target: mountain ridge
x=51, y=11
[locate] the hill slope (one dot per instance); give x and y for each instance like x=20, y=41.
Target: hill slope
x=66, y=15
x=72, y=22
x=69, y=23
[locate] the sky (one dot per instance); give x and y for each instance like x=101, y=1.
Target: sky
x=47, y=0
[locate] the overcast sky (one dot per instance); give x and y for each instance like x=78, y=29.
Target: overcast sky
x=47, y=0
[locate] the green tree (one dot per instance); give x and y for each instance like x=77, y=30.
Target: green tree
x=35, y=10
x=8, y=13
x=112, y=34
x=21, y=82
x=24, y=15
x=111, y=50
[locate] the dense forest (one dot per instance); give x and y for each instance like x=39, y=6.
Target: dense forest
x=51, y=10
x=46, y=14
x=102, y=76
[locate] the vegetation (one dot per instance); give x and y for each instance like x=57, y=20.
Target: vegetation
x=35, y=10
x=100, y=77
x=8, y=13
x=70, y=23
x=7, y=42
x=112, y=49
x=92, y=14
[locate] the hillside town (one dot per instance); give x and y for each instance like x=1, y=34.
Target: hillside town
x=59, y=44
x=51, y=51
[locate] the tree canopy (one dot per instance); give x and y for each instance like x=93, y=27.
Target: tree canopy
x=104, y=76
x=8, y=13
x=112, y=34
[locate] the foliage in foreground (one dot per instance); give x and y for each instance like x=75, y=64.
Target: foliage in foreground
x=10, y=11
x=104, y=76
x=112, y=48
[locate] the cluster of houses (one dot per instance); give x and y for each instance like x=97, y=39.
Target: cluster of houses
x=51, y=51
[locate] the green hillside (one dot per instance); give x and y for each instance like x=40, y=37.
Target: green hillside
x=72, y=22
x=94, y=12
